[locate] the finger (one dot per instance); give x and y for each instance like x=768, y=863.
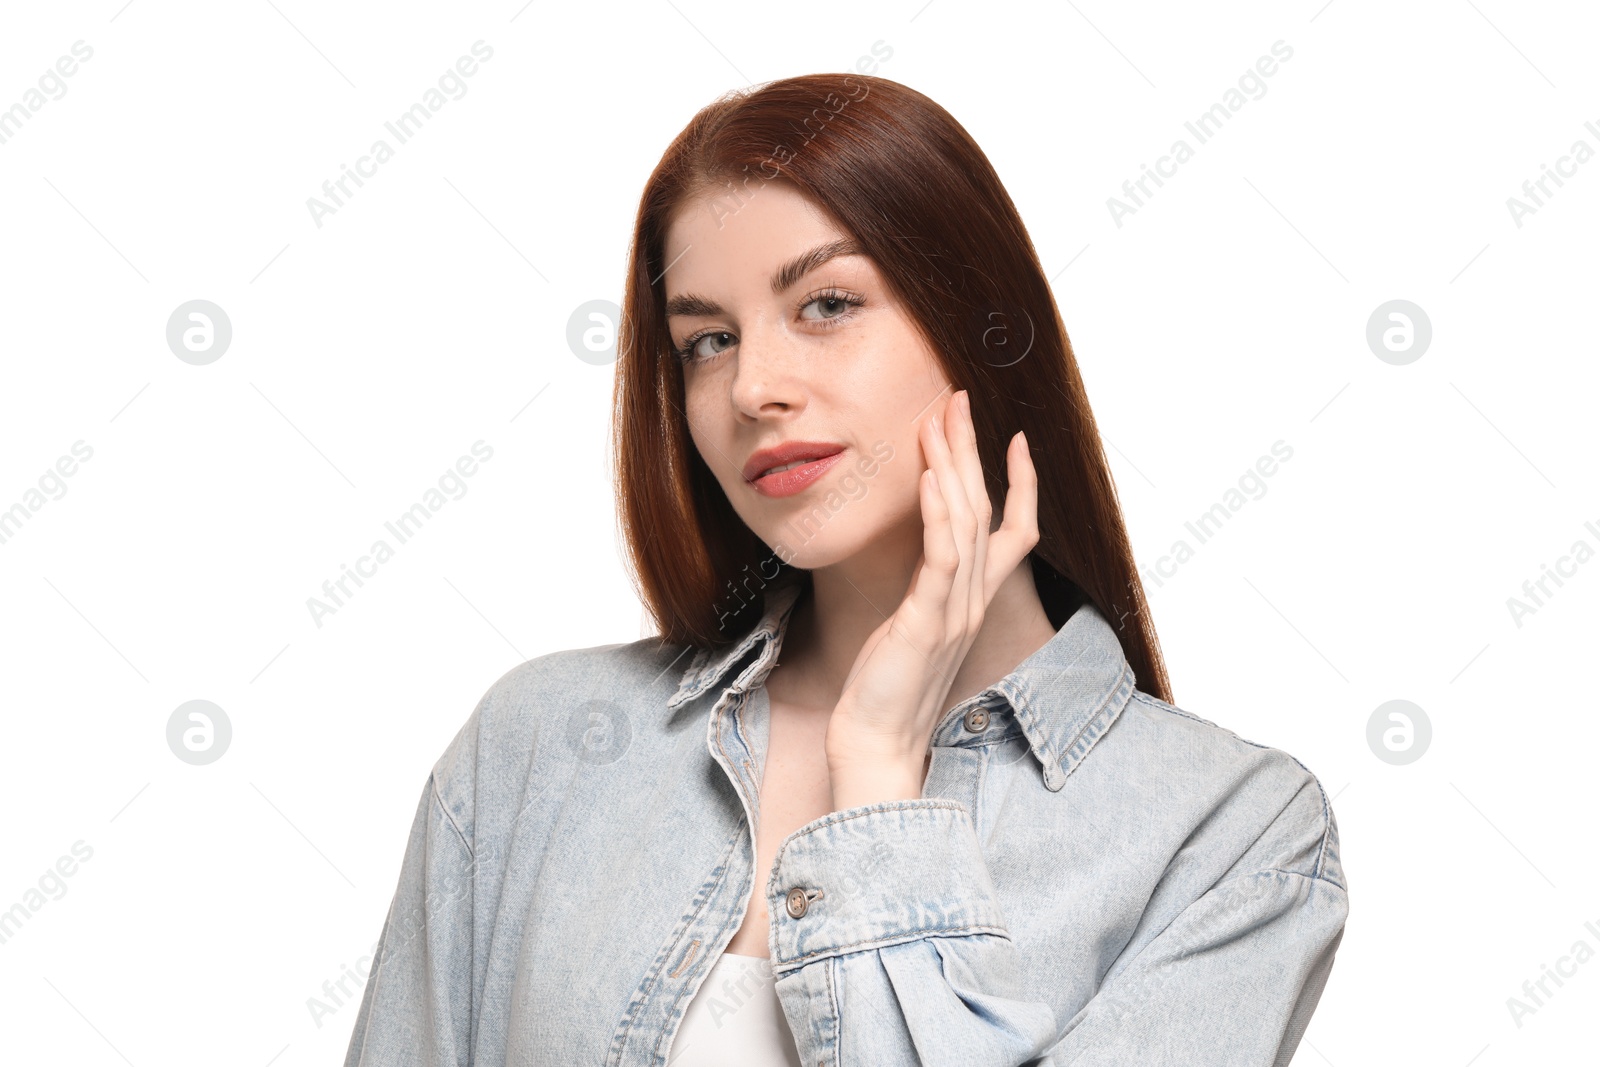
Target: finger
x=941, y=559
x=964, y=444
x=962, y=522
x=940, y=552
x=1019, y=528
x=962, y=433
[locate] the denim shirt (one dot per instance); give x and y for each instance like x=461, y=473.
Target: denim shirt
x=1091, y=876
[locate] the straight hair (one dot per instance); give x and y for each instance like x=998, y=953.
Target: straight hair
x=902, y=178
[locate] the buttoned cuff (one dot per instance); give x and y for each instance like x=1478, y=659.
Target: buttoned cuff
x=878, y=875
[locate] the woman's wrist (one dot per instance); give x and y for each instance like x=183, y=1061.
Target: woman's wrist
x=872, y=780
x=867, y=766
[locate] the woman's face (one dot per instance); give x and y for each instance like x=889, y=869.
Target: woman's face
x=783, y=344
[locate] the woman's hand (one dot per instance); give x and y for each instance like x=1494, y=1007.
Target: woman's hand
x=896, y=690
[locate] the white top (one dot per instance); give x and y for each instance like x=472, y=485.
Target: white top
x=735, y=1019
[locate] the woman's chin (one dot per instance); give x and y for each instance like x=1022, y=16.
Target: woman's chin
x=844, y=536
x=807, y=556
x=825, y=549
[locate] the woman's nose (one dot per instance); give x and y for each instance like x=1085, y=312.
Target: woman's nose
x=768, y=372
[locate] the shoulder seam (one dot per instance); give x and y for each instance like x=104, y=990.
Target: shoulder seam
x=1327, y=821
x=1212, y=889
x=1173, y=709
x=444, y=809
x=1324, y=879
x=1327, y=826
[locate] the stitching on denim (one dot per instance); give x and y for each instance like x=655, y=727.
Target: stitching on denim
x=1162, y=705
x=711, y=890
x=444, y=809
x=1327, y=828
x=923, y=803
x=1105, y=702
x=712, y=673
x=741, y=728
x=743, y=681
x=709, y=676
x=1281, y=870
x=1319, y=878
x=1032, y=723
x=763, y=632
x=1025, y=687
x=893, y=805
x=641, y=994
x=1124, y=683
x=951, y=931
x=741, y=696
x=838, y=1016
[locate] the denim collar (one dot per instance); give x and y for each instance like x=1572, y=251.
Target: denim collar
x=1064, y=696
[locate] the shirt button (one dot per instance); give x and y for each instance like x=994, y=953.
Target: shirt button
x=977, y=719
x=797, y=903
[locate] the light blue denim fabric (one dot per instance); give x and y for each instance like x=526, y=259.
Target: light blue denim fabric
x=1091, y=876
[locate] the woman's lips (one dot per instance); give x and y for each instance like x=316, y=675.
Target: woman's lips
x=791, y=481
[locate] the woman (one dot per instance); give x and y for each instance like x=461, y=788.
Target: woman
x=958, y=821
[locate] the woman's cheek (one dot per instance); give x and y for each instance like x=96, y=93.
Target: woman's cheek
x=901, y=491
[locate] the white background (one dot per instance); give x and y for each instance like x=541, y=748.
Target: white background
x=430, y=312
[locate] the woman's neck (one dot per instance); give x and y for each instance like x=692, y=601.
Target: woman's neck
x=844, y=603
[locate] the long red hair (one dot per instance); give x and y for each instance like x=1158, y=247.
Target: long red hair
x=902, y=178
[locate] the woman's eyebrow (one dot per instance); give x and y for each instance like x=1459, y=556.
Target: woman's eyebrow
x=806, y=262
x=783, y=278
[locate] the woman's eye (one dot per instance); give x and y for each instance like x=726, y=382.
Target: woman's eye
x=832, y=307
x=721, y=341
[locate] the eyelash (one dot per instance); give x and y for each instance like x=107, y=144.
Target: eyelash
x=852, y=302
